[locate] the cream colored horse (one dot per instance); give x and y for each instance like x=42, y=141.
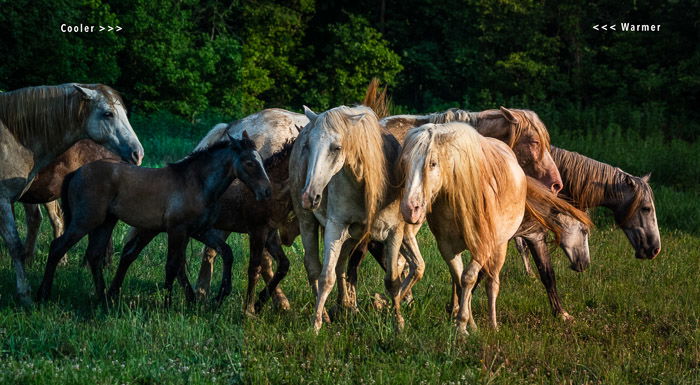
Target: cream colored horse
x=474, y=195
x=341, y=179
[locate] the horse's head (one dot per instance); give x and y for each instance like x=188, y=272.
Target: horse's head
x=574, y=241
x=637, y=217
x=249, y=167
x=326, y=155
x=106, y=123
x=528, y=137
x=422, y=170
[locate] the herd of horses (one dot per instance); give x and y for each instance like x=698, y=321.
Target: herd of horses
x=358, y=177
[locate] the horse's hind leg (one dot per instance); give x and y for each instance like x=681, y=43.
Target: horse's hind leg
x=59, y=247
x=206, y=269
x=274, y=245
x=97, y=245
x=356, y=258
x=493, y=282
x=53, y=209
x=32, y=215
x=524, y=252
x=136, y=240
x=8, y=231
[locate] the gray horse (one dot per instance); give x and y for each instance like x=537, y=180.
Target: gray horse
x=37, y=124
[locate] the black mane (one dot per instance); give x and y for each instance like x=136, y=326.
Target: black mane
x=205, y=153
x=280, y=155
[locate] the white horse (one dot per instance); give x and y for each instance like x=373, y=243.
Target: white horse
x=341, y=179
x=37, y=124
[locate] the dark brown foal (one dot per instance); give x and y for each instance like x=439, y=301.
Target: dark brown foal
x=180, y=199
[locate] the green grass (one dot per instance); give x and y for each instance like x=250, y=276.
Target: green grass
x=637, y=322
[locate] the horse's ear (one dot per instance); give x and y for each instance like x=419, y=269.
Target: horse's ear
x=310, y=114
x=86, y=92
x=508, y=114
x=229, y=137
x=245, y=135
x=357, y=117
x=646, y=178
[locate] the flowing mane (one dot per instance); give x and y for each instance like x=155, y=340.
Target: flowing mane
x=454, y=115
x=280, y=155
x=363, y=145
x=470, y=165
x=590, y=182
x=377, y=99
x=44, y=113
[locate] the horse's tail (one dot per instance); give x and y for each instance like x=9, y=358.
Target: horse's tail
x=377, y=99
x=540, y=202
x=65, y=200
x=213, y=136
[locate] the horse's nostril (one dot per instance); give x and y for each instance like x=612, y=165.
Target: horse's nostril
x=556, y=187
x=136, y=157
x=657, y=250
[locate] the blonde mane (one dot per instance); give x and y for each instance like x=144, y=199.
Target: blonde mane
x=470, y=166
x=45, y=113
x=363, y=145
x=590, y=182
x=377, y=99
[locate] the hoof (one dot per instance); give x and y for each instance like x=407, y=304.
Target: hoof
x=400, y=324
x=379, y=301
x=326, y=318
x=200, y=294
x=281, y=302
x=63, y=261
x=566, y=316
x=317, y=325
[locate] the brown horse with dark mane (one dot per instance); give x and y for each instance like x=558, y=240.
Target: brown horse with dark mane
x=180, y=199
x=46, y=189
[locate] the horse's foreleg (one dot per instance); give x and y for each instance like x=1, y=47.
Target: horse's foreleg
x=524, y=252
x=136, y=240
x=456, y=267
x=32, y=215
x=392, y=278
x=53, y=209
x=416, y=264
x=334, y=237
x=345, y=292
x=540, y=253
x=309, y=238
x=58, y=249
x=206, y=269
x=8, y=231
x=97, y=246
x=465, y=314
x=274, y=245
x=177, y=243
x=257, y=243
x=493, y=282
x=354, y=261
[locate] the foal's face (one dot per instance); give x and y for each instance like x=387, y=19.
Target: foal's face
x=325, y=159
x=423, y=182
x=640, y=226
x=574, y=242
x=108, y=125
x=251, y=171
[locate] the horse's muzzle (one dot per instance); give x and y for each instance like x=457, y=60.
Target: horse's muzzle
x=310, y=201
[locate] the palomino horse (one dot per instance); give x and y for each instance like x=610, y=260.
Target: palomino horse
x=589, y=183
x=241, y=213
x=37, y=124
x=46, y=189
x=475, y=196
x=270, y=129
x=341, y=178
x=180, y=199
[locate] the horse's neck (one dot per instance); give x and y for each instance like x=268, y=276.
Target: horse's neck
x=215, y=182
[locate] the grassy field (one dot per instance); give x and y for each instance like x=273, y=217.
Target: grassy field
x=637, y=322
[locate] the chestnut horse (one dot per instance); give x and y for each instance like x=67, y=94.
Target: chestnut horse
x=180, y=199
x=37, y=124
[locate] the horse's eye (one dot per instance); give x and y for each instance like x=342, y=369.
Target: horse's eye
x=108, y=114
x=335, y=148
x=433, y=164
x=646, y=210
x=249, y=164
